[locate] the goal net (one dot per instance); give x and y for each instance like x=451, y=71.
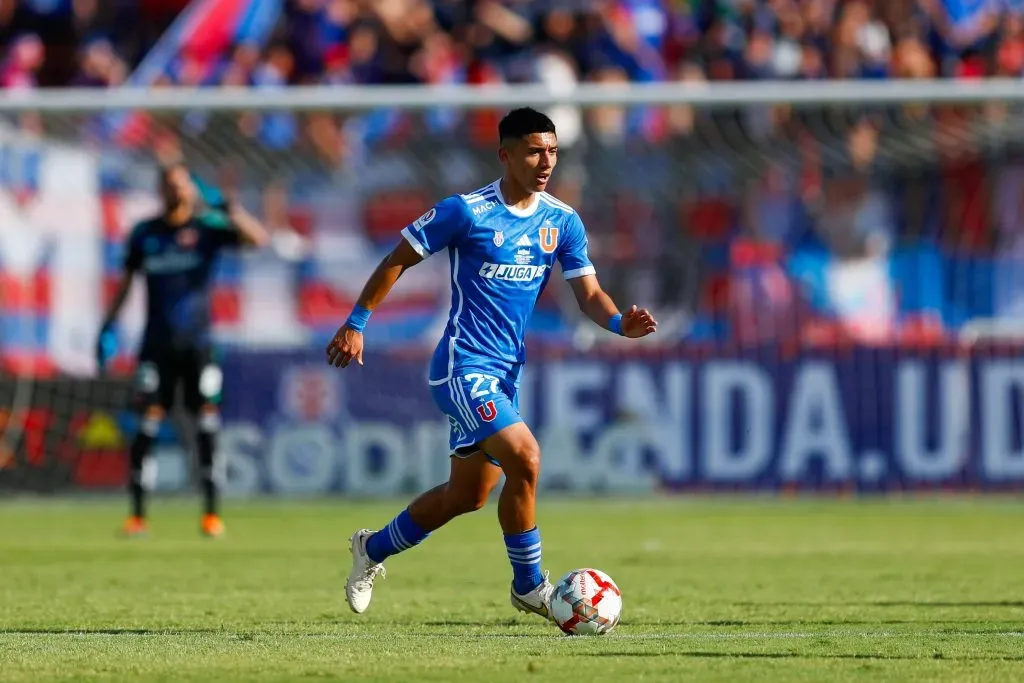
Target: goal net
x=834, y=267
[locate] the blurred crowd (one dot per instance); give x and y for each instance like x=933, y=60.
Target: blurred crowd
x=754, y=219
x=93, y=43
x=400, y=41
x=96, y=42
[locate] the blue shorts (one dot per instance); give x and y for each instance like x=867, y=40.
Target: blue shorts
x=477, y=404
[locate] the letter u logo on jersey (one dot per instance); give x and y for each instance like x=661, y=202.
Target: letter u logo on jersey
x=548, y=239
x=487, y=411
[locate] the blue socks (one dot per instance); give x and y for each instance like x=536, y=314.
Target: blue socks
x=524, y=554
x=401, y=534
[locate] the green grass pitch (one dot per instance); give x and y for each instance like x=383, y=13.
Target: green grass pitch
x=713, y=589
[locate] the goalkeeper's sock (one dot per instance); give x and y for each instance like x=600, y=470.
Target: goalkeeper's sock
x=400, y=534
x=206, y=441
x=207, y=481
x=524, y=554
x=136, y=485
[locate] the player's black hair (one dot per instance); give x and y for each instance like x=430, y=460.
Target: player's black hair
x=524, y=121
x=167, y=169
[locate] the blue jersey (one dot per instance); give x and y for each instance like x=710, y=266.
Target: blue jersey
x=178, y=263
x=501, y=258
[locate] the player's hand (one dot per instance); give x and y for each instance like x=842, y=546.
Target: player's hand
x=346, y=345
x=638, y=323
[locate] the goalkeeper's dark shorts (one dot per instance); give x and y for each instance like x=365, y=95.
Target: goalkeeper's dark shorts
x=162, y=370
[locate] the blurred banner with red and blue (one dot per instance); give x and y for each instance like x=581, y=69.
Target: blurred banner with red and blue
x=824, y=325
x=193, y=52
x=196, y=43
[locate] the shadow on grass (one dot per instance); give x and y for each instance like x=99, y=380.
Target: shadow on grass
x=810, y=623
x=466, y=623
x=792, y=622
x=807, y=655
x=889, y=603
x=716, y=623
x=43, y=631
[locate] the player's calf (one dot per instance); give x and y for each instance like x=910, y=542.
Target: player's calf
x=370, y=549
x=470, y=482
x=139, y=473
x=463, y=502
x=519, y=454
x=208, y=424
x=469, y=485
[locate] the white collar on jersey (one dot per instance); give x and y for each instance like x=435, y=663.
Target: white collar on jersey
x=521, y=213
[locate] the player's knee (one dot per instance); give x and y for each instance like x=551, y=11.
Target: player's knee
x=209, y=418
x=152, y=418
x=524, y=463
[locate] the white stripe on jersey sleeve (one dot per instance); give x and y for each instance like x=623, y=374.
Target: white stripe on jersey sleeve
x=561, y=207
x=555, y=202
x=477, y=198
x=415, y=243
x=579, y=272
x=483, y=194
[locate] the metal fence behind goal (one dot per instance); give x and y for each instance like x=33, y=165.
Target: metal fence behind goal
x=835, y=267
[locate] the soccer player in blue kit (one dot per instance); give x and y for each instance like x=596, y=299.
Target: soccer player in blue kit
x=503, y=241
x=177, y=251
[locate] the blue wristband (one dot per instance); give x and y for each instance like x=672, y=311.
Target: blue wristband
x=358, y=318
x=615, y=324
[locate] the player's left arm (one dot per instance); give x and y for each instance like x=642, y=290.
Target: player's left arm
x=250, y=230
x=593, y=301
x=599, y=307
x=231, y=225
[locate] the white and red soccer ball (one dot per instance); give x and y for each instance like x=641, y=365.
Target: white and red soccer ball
x=586, y=602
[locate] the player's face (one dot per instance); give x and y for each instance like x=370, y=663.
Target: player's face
x=178, y=189
x=531, y=160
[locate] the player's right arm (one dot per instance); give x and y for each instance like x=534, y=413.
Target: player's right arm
x=443, y=225
x=106, y=345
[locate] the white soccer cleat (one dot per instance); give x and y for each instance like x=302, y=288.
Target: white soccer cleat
x=537, y=601
x=359, y=586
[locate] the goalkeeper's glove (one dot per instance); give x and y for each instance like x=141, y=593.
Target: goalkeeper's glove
x=211, y=195
x=106, y=346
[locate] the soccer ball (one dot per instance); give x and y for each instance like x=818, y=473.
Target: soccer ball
x=586, y=602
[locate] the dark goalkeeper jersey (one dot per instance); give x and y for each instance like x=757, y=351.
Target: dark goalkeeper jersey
x=178, y=263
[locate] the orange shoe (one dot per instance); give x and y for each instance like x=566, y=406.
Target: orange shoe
x=135, y=527
x=212, y=526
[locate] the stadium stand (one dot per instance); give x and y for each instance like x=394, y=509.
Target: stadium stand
x=764, y=224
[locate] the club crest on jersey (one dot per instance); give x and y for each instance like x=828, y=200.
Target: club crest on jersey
x=499, y=238
x=548, y=238
x=187, y=238
x=487, y=411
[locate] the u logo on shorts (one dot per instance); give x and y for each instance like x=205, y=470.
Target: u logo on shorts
x=487, y=411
